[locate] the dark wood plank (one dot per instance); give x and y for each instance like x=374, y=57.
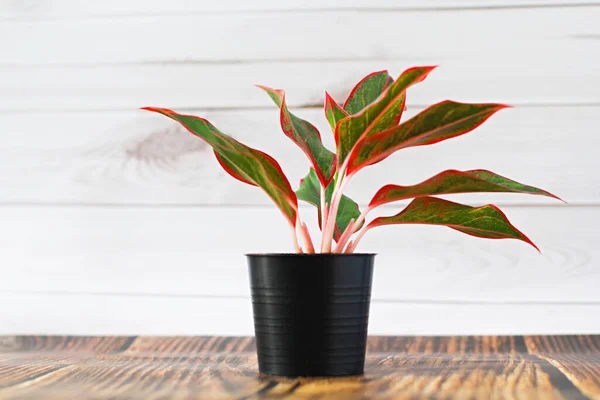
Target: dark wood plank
x=96, y=344
x=377, y=344
x=577, y=357
x=224, y=367
x=447, y=344
x=192, y=345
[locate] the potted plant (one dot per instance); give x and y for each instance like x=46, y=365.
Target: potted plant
x=311, y=307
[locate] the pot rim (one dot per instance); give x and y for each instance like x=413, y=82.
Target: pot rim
x=308, y=255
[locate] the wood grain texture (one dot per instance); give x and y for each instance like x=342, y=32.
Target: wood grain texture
x=189, y=84
x=225, y=367
x=200, y=37
x=136, y=157
x=577, y=357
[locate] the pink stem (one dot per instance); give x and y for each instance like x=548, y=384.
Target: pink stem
x=345, y=236
x=360, y=235
x=310, y=248
x=361, y=218
x=324, y=214
x=350, y=247
x=295, y=240
x=335, y=203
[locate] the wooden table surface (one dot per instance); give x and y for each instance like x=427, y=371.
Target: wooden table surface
x=72, y=367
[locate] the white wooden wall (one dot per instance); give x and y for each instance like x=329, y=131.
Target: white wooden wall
x=115, y=221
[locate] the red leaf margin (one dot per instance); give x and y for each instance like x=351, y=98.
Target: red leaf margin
x=353, y=168
x=374, y=223
x=282, y=119
x=303, y=145
x=331, y=104
x=355, y=88
x=289, y=194
x=426, y=71
x=230, y=171
x=379, y=199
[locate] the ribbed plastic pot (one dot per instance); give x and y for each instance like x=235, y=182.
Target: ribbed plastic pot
x=311, y=312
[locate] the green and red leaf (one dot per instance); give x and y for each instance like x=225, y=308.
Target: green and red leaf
x=306, y=136
x=367, y=91
x=453, y=182
x=232, y=170
x=310, y=192
x=333, y=111
x=382, y=114
x=439, y=122
x=242, y=162
x=485, y=222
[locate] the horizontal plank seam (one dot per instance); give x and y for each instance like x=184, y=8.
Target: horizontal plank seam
x=257, y=206
x=248, y=298
x=308, y=106
x=429, y=9
x=99, y=64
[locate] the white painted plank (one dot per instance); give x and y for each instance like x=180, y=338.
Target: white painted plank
x=123, y=315
x=174, y=251
x=503, y=33
x=110, y=8
x=536, y=79
x=142, y=158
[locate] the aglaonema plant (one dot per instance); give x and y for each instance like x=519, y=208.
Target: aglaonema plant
x=367, y=129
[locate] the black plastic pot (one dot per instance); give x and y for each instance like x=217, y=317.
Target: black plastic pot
x=311, y=312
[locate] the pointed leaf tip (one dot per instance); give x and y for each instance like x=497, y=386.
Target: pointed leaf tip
x=380, y=102
x=305, y=135
x=333, y=111
x=454, y=182
x=510, y=184
x=485, y=222
x=268, y=88
x=175, y=115
x=524, y=237
x=244, y=163
x=367, y=90
x=439, y=122
x=155, y=109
